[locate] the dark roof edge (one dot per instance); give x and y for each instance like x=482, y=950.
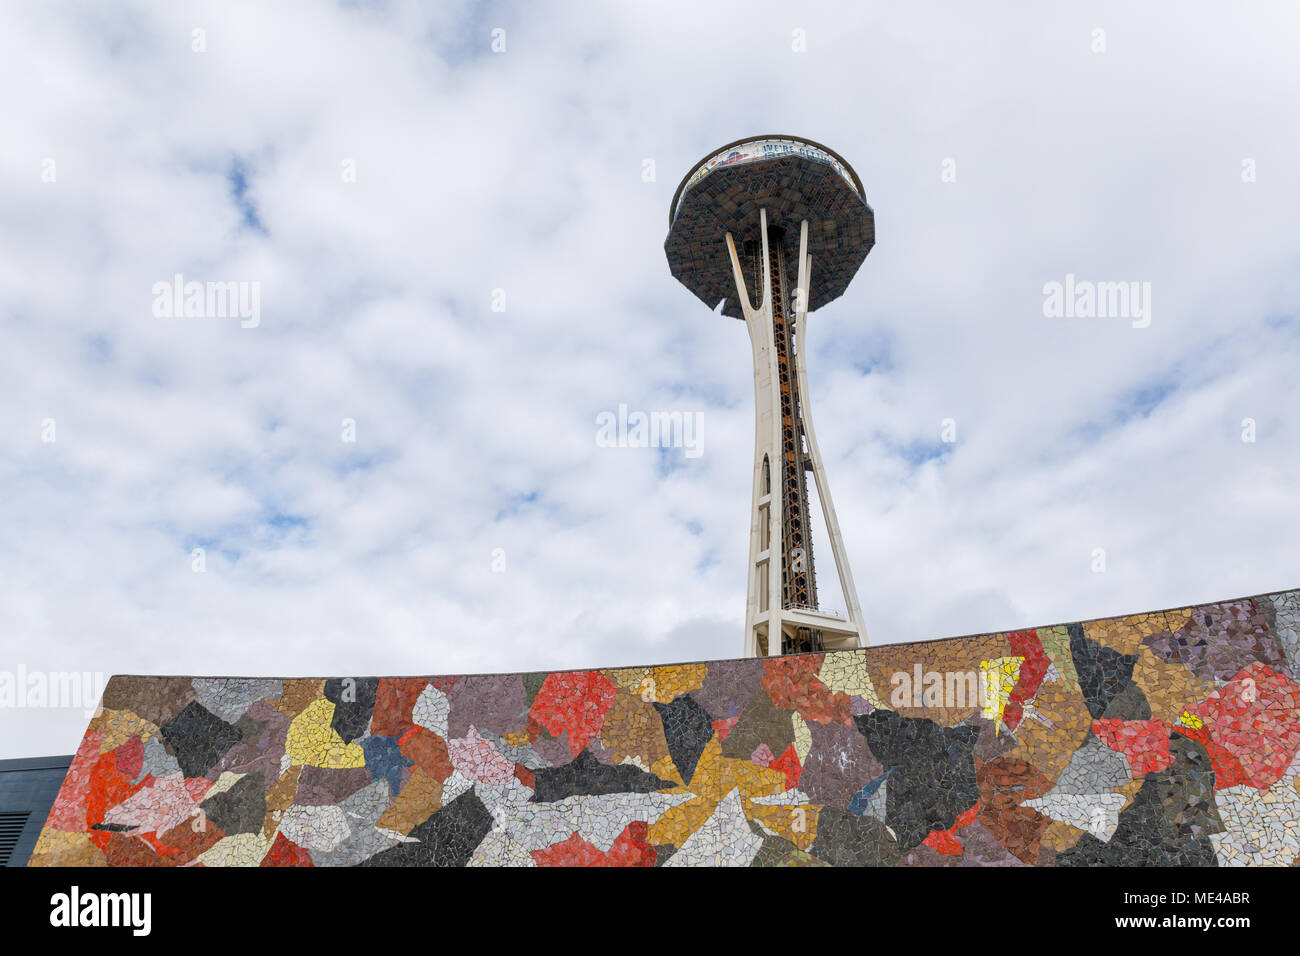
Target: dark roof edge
x=36, y=763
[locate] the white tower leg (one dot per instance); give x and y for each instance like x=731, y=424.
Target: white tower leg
x=766, y=617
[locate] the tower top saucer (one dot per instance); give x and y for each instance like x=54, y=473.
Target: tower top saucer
x=793, y=179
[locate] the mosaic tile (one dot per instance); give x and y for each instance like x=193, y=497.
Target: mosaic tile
x=1170, y=738
x=1285, y=609
x=586, y=776
x=239, y=808
x=431, y=710
x=354, y=702
x=1169, y=821
x=311, y=739
x=198, y=738
x=119, y=726
x=688, y=728
x=241, y=849
x=1259, y=828
x=629, y=849
x=1221, y=639
x=725, y=839
x=229, y=698
x=633, y=729
x=1103, y=672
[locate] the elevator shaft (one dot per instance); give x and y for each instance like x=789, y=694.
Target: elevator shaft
x=798, y=572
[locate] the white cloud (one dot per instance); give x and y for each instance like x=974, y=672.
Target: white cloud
x=476, y=429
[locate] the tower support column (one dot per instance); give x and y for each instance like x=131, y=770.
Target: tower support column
x=782, y=613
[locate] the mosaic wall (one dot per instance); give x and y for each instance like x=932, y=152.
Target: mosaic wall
x=1160, y=739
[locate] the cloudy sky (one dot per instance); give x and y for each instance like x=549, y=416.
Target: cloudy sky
x=386, y=177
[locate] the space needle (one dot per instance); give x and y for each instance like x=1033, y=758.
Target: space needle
x=754, y=215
